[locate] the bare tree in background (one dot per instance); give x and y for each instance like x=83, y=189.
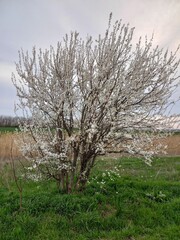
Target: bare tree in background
x=86, y=97
x=8, y=121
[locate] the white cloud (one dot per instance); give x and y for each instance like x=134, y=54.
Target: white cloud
x=5, y=72
x=7, y=90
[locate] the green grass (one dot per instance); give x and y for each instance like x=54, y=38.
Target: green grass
x=7, y=129
x=125, y=199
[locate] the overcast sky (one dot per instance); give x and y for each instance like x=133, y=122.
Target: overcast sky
x=25, y=23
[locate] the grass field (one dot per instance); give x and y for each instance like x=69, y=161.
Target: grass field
x=7, y=129
x=125, y=199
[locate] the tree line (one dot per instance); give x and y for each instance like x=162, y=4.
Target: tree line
x=9, y=121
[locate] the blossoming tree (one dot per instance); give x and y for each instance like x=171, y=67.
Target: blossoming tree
x=86, y=97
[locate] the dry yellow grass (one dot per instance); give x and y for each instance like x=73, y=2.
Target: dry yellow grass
x=173, y=145
x=6, y=140
x=6, y=143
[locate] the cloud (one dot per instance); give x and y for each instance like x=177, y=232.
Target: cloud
x=7, y=98
x=5, y=72
x=7, y=90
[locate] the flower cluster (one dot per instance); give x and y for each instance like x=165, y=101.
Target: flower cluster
x=157, y=196
x=105, y=178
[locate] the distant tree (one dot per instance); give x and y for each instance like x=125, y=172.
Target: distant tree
x=8, y=121
x=88, y=97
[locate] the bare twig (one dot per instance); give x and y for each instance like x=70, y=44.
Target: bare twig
x=16, y=180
